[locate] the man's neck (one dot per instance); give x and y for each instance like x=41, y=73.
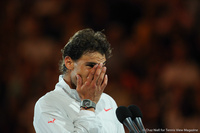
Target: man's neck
x=67, y=79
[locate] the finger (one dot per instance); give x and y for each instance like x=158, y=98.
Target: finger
x=105, y=82
x=101, y=77
x=79, y=81
x=91, y=74
x=97, y=73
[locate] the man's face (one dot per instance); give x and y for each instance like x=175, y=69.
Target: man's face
x=84, y=65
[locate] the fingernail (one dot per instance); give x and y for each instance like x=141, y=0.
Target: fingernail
x=96, y=65
x=104, y=68
x=106, y=76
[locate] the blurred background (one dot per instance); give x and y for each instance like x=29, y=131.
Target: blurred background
x=155, y=63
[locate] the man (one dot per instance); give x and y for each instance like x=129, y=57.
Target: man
x=78, y=104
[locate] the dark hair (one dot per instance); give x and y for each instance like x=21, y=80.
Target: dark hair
x=82, y=42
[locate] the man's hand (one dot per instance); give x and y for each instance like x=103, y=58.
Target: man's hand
x=94, y=85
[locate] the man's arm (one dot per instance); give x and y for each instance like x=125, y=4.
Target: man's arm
x=49, y=120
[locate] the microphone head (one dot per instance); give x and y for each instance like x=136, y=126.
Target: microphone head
x=135, y=111
x=122, y=113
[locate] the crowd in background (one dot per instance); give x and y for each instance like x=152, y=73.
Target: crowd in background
x=155, y=63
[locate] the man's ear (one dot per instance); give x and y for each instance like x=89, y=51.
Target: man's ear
x=69, y=63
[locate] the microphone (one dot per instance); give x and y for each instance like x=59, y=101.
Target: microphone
x=124, y=116
x=136, y=116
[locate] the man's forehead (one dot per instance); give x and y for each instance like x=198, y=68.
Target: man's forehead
x=94, y=56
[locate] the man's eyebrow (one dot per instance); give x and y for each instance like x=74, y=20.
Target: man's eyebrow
x=91, y=63
x=94, y=63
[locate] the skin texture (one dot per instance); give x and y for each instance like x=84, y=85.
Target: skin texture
x=87, y=75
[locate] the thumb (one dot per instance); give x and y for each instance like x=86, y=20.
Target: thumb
x=79, y=81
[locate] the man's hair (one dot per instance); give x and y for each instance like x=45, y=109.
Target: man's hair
x=85, y=41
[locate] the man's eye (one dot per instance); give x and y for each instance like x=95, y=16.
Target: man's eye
x=91, y=66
